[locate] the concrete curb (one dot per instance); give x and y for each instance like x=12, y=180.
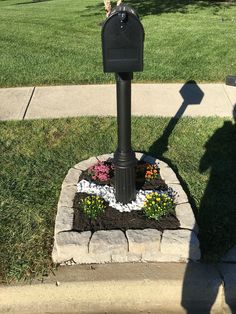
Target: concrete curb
x=126, y=288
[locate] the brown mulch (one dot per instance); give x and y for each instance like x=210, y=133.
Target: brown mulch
x=112, y=219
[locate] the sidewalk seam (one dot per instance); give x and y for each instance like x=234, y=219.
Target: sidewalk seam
x=27, y=106
x=227, y=95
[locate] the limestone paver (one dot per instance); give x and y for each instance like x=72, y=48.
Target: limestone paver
x=113, y=243
x=149, y=159
x=168, y=175
x=183, y=244
x=13, y=102
x=144, y=244
x=181, y=195
x=186, y=217
x=72, y=177
x=72, y=245
x=85, y=164
x=105, y=157
x=64, y=219
x=67, y=196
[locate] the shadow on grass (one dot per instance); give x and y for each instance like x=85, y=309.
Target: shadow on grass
x=216, y=218
x=216, y=214
x=192, y=95
x=217, y=211
x=31, y=2
x=156, y=7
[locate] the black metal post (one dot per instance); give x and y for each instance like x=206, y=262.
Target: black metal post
x=124, y=157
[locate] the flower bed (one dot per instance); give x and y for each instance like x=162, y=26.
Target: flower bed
x=154, y=206
x=138, y=243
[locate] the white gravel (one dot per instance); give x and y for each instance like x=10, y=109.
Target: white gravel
x=107, y=192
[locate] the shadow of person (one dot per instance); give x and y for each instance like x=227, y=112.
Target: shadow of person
x=216, y=218
x=202, y=281
x=218, y=203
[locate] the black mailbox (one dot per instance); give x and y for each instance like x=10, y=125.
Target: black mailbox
x=122, y=41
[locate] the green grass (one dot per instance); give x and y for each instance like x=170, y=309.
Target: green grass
x=36, y=155
x=58, y=41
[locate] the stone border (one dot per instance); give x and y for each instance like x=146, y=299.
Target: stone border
x=149, y=245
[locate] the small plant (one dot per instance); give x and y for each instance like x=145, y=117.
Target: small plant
x=152, y=172
x=102, y=171
x=158, y=204
x=93, y=206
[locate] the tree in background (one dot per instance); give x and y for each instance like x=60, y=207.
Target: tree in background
x=107, y=4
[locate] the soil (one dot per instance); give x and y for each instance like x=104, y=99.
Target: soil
x=112, y=219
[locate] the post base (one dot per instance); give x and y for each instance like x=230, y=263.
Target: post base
x=125, y=188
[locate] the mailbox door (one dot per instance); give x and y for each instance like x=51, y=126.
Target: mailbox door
x=122, y=44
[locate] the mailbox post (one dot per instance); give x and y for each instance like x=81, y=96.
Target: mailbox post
x=122, y=46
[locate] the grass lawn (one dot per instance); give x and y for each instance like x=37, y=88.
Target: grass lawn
x=52, y=42
x=36, y=155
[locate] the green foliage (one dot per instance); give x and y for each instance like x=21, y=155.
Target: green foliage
x=158, y=205
x=59, y=42
x=36, y=156
x=93, y=206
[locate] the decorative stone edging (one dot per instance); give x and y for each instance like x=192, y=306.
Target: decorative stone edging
x=116, y=246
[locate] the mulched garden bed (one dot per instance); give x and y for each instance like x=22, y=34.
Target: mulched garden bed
x=112, y=219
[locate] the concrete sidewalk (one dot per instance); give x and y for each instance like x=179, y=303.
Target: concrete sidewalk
x=128, y=288
x=147, y=99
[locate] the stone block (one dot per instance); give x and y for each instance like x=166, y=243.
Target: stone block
x=71, y=245
x=104, y=157
x=181, y=244
x=64, y=219
x=139, y=155
x=186, y=217
x=181, y=195
x=67, y=196
x=149, y=159
x=161, y=164
x=72, y=177
x=144, y=244
x=109, y=245
x=85, y=164
x=168, y=175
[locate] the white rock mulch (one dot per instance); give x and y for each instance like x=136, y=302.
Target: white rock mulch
x=108, y=193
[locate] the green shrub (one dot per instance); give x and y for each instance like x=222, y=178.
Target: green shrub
x=158, y=205
x=93, y=206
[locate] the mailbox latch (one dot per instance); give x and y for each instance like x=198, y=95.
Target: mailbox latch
x=123, y=19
